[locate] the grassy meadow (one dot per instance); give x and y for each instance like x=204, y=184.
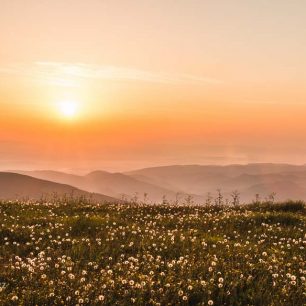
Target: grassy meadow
x=80, y=253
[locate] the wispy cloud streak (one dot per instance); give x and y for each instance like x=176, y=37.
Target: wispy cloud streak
x=67, y=74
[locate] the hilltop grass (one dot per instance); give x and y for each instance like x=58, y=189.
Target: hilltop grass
x=77, y=253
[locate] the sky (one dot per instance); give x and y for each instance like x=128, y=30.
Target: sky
x=118, y=85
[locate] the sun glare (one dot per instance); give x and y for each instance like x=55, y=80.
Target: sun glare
x=68, y=109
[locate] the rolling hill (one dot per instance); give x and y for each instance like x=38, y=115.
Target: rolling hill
x=18, y=186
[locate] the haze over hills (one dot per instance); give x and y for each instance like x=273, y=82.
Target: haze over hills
x=113, y=184
x=230, y=170
x=17, y=186
x=287, y=181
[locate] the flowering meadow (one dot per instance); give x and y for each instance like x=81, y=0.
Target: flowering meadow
x=80, y=253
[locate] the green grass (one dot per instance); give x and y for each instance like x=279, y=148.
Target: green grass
x=74, y=252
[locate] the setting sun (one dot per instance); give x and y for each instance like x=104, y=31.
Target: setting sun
x=68, y=109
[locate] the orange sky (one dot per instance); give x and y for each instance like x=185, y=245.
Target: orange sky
x=152, y=83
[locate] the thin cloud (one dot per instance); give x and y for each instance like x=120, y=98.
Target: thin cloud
x=68, y=74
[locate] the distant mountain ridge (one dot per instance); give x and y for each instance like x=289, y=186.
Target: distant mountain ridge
x=287, y=181
x=117, y=185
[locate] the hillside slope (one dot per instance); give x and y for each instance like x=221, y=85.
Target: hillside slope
x=18, y=186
